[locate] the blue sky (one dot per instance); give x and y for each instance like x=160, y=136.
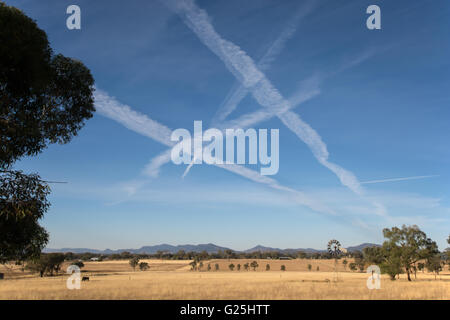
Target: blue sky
x=378, y=99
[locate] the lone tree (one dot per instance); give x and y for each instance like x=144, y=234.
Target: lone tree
x=283, y=267
x=143, y=266
x=44, y=99
x=407, y=246
x=134, y=262
x=309, y=267
x=402, y=250
x=267, y=267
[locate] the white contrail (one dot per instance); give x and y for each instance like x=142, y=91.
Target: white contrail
x=300, y=197
x=253, y=118
x=244, y=69
x=239, y=92
x=140, y=123
x=399, y=179
x=309, y=89
x=152, y=169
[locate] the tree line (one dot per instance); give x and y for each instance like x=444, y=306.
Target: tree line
x=406, y=250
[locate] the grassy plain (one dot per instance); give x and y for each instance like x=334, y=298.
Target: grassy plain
x=174, y=280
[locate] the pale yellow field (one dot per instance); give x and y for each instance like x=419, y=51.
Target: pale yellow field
x=174, y=280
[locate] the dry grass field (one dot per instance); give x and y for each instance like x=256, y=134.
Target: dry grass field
x=175, y=280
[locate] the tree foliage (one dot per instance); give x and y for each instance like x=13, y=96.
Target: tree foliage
x=134, y=262
x=46, y=264
x=23, y=201
x=44, y=98
x=408, y=245
x=143, y=266
x=254, y=265
x=401, y=251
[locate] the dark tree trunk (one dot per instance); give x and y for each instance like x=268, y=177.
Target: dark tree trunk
x=409, y=274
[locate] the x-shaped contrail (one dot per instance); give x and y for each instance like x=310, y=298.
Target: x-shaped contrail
x=254, y=81
x=251, y=78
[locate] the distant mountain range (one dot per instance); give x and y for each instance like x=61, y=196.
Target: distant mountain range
x=209, y=247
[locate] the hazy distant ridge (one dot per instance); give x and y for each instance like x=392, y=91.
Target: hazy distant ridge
x=209, y=247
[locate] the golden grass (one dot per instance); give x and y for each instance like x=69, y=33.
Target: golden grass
x=173, y=280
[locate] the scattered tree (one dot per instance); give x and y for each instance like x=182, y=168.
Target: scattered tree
x=231, y=266
x=46, y=264
x=267, y=267
x=344, y=263
x=143, y=266
x=134, y=262
x=352, y=266
x=216, y=266
x=254, y=265
x=359, y=260
x=246, y=266
x=238, y=267
x=434, y=264
x=309, y=267
x=283, y=267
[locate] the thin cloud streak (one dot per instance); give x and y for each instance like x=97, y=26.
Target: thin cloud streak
x=399, y=179
x=111, y=108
